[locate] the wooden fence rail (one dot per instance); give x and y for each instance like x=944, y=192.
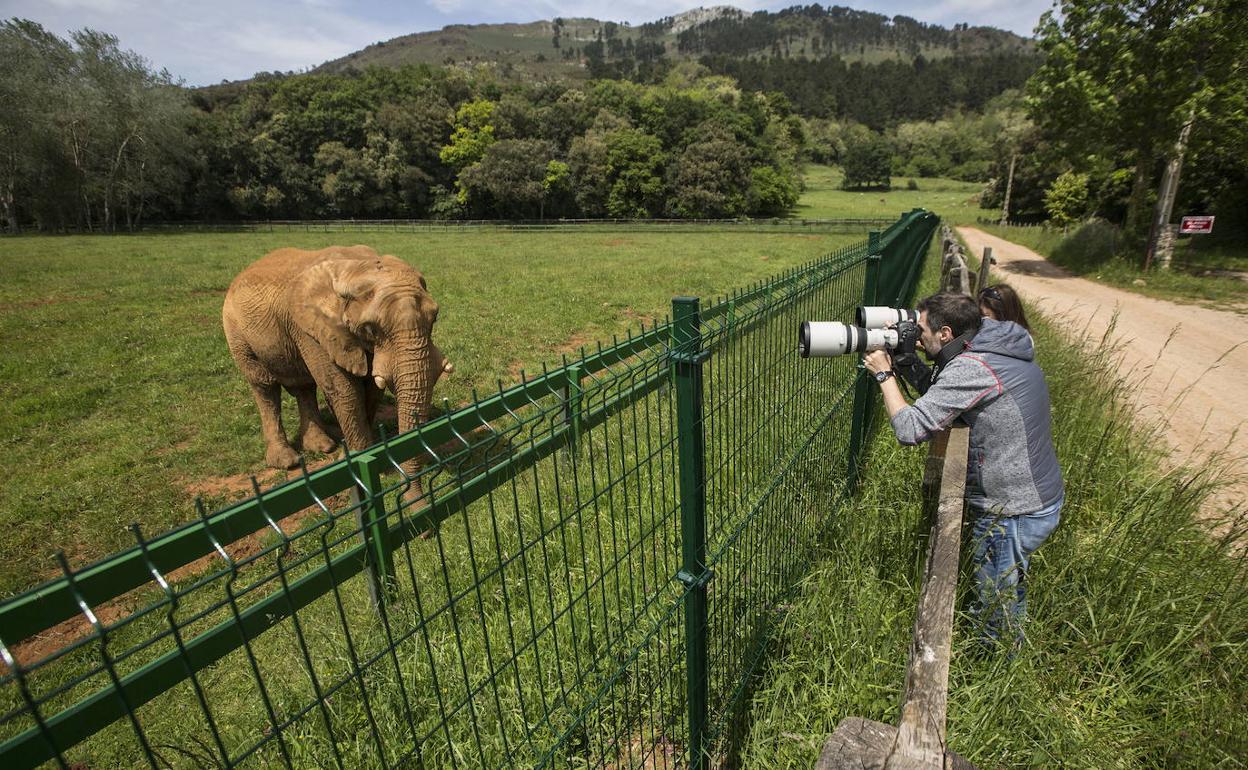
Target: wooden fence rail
x=918, y=742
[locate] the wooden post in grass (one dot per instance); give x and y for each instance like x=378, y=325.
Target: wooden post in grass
x=919, y=741
x=982, y=280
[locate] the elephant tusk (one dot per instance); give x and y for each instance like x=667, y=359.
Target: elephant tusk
x=380, y=381
x=448, y=367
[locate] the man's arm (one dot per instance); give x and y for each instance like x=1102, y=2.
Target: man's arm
x=965, y=383
x=879, y=361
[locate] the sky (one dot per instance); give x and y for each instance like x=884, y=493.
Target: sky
x=207, y=42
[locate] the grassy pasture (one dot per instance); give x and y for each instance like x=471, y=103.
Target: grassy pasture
x=954, y=201
x=527, y=643
x=119, y=401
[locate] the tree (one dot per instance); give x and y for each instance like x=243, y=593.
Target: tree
x=472, y=134
x=90, y=131
x=711, y=177
x=1066, y=200
x=32, y=66
x=868, y=161
x=510, y=179
x=1125, y=81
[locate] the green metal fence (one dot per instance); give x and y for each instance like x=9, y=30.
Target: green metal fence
x=588, y=579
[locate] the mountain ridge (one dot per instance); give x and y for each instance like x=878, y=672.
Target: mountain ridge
x=584, y=47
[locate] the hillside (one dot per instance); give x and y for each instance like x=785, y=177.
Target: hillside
x=583, y=47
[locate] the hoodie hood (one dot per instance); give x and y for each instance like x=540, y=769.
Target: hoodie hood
x=1004, y=338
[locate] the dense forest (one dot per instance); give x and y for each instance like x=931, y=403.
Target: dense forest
x=99, y=141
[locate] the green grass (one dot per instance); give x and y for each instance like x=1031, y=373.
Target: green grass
x=550, y=599
x=954, y=201
x=119, y=400
x=1194, y=276
x=1138, y=640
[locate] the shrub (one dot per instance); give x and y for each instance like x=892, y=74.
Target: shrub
x=912, y=185
x=1094, y=243
x=1066, y=200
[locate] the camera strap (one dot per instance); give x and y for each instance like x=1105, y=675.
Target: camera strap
x=956, y=347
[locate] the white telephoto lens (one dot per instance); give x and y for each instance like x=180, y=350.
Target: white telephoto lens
x=820, y=339
x=824, y=338
x=877, y=339
x=877, y=317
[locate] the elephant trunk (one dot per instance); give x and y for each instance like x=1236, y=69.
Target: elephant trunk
x=413, y=380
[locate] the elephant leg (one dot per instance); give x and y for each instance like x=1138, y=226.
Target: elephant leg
x=346, y=399
x=277, y=450
x=312, y=432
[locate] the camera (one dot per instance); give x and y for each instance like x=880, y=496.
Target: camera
x=832, y=338
x=874, y=317
x=877, y=328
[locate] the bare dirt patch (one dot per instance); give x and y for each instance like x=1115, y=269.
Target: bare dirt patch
x=239, y=485
x=644, y=319
x=63, y=634
x=1189, y=362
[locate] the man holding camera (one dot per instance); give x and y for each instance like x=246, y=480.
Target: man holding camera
x=984, y=373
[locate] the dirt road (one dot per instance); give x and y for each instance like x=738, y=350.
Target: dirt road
x=1196, y=384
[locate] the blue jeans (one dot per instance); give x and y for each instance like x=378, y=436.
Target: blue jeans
x=1003, y=547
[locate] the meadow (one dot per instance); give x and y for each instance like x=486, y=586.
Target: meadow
x=956, y=202
x=544, y=618
x=119, y=401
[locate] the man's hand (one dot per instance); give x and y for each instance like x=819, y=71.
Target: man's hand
x=877, y=361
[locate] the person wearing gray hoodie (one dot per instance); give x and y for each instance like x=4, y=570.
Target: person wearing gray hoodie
x=985, y=375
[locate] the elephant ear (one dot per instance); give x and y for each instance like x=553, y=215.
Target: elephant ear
x=322, y=304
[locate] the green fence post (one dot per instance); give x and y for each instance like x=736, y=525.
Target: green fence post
x=572, y=391
x=378, y=550
x=687, y=355
x=864, y=388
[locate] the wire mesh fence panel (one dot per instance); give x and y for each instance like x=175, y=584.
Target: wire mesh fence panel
x=776, y=460
x=533, y=596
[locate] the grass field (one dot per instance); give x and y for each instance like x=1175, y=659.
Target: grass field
x=119, y=401
x=956, y=202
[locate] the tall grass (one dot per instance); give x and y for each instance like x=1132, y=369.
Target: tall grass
x=1137, y=652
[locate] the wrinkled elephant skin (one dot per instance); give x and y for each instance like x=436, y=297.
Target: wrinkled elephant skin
x=345, y=320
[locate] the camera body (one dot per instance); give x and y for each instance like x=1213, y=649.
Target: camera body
x=877, y=328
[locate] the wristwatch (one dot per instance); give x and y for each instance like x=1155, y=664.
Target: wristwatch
x=881, y=376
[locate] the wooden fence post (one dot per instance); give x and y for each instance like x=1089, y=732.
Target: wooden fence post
x=919, y=740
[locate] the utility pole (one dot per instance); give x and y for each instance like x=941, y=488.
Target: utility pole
x=1161, y=237
x=1009, y=188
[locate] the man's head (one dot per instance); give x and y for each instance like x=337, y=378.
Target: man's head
x=943, y=317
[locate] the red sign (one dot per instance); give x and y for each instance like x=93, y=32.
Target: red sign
x=1193, y=225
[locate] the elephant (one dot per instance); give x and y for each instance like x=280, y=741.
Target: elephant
x=343, y=319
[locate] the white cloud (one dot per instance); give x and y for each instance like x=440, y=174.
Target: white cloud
x=449, y=6
x=95, y=6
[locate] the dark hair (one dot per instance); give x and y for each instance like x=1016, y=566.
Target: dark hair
x=1003, y=301
x=957, y=311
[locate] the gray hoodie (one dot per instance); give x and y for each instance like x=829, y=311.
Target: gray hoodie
x=997, y=390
